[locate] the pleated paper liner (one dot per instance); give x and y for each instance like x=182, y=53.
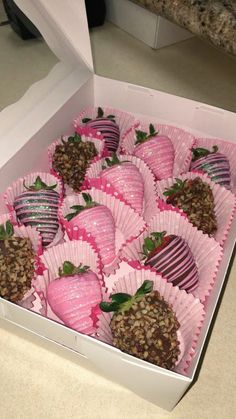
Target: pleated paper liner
x=77, y=252
x=182, y=141
x=189, y=312
x=35, y=238
x=123, y=119
x=148, y=179
x=207, y=253
x=225, y=147
x=87, y=135
x=128, y=223
x=17, y=188
x=225, y=202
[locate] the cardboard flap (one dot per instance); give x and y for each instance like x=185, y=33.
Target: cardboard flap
x=63, y=25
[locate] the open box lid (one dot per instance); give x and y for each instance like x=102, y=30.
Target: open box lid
x=64, y=27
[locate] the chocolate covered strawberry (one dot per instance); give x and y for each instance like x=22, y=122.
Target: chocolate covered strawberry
x=72, y=158
x=127, y=180
x=144, y=326
x=214, y=163
x=171, y=256
x=37, y=207
x=157, y=151
x=107, y=126
x=97, y=220
x=74, y=296
x=16, y=264
x=196, y=199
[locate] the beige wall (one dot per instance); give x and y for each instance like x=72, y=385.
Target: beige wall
x=2, y=13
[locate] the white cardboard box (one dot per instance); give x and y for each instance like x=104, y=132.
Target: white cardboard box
x=44, y=113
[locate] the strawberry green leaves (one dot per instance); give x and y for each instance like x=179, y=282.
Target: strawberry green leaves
x=39, y=185
x=89, y=203
x=100, y=114
x=68, y=269
x=122, y=302
x=152, y=243
x=143, y=136
x=202, y=152
x=175, y=188
x=7, y=231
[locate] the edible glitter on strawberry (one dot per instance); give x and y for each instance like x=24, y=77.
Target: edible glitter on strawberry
x=144, y=326
x=98, y=221
x=196, y=199
x=157, y=151
x=214, y=163
x=126, y=179
x=107, y=126
x=38, y=207
x=17, y=260
x=171, y=256
x=74, y=296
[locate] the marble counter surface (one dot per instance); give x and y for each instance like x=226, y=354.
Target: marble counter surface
x=212, y=20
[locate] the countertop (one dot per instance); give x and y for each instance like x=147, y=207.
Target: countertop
x=41, y=380
x=212, y=20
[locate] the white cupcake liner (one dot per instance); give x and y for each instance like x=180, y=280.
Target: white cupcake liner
x=189, y=312
x=128, y=223
x=17, y=188
x=225, y=147
x=182, y=141
x=206, y=251
x=225, y=202
x=123, y=119
x=149, y=181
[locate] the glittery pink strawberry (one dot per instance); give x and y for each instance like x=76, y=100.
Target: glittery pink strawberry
x=157, y=151
x=74, y=296
x=127, y=180
x=97, y=220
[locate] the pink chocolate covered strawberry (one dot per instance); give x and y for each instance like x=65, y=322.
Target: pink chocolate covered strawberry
x=214, y=163
x=74, y=296
x=157, y=151
x=97, y=220
x=127, y=180
x=171, y=256
x=107, y=126
x=37, y=207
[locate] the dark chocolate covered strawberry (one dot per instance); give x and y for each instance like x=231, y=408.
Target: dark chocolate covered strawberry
x=72, y=158
x=74, y=295
x=196, y=199
x=97, y=220
x=214, y=163
x=157, y=151
x=171, y=256
x=144, y=326
x=16, y=264
x=126, y=179
x=107, y=126
x=37, y=207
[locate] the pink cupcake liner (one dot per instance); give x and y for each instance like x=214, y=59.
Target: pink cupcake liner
x=225, y=147
x=128, y=223
x=148, y=178
x=163, y=206
x=18, y=187
x=182, y=141
x=206, y=251
x=123, y=119
x=225, y=202
x=189, y=312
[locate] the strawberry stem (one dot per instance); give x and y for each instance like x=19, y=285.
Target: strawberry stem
x=7, y=231
x=113, y=161
x=175, y=188
x=152, y=243
x=122, y=302
x=76, y=138
x=39, y=185
x=203, y=152
x=143, y=136
x=89, y=203
x=68, y=269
